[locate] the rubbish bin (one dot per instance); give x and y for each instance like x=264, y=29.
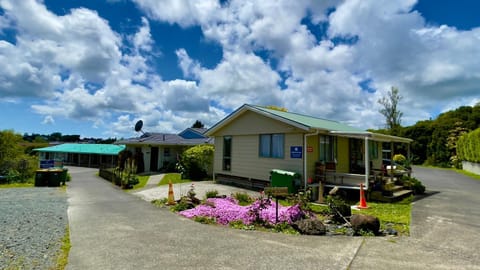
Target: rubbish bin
x=41, y=178
x=54, y=177
x=281, y=178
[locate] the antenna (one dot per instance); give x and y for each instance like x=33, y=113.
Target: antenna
x=138, y=126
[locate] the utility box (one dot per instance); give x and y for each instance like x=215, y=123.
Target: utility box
x=281, y=178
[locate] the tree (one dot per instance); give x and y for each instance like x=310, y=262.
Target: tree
x=390, y=109
x=198, y=124
x=16, y=165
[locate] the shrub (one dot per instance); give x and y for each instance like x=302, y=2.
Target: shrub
x=399, y=158
x=211, y=194
x=197, y=161
x=182, y=205
x=243, y=198
x=205, y=220
x=414, y=184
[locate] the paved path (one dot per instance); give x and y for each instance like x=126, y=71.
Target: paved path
x=153, y=181
x=111, y=229
x=445, y=233
x=179, y=190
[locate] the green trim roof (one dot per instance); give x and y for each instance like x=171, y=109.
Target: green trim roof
x=79, y=148
x=307, y=123
x=310, y=121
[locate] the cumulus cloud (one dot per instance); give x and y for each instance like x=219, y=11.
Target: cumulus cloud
x=332, y=59
x=48, y=120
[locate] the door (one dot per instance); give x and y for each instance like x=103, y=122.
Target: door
x=154, y=159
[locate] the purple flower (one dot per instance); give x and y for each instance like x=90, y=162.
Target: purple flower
x=226, y=210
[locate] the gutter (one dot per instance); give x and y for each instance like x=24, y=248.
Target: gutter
x=305, y=155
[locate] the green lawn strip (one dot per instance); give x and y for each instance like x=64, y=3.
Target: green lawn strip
x=62, y=259
x=142, y=181
x=16, y=185
x=174, y=177
x=469, y=174
x=397, y=213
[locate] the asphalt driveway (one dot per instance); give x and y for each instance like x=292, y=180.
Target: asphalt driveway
x=111, y=229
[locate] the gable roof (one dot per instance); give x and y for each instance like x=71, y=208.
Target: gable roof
x=306, y=123
x=165, y=139
x=193, y=133
x=83, y=148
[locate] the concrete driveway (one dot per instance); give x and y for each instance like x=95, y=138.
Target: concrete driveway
x=111, y=229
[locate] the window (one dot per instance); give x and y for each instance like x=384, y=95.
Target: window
x=227, y=153
x=272, y=145
x=328, y=148
x=166, y=152
x=373, y=149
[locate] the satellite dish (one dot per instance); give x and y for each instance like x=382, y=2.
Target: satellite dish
x=138, y=126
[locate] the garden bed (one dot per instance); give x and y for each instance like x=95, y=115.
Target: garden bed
x=243, y=212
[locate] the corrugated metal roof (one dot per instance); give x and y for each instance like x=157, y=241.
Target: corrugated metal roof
x=84, y=148
x=165, y=139
x=310, y=121
x=306, y=123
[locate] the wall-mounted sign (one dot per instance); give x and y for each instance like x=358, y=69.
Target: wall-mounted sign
x=309, y=149
x=45, y=164
x=296, y=152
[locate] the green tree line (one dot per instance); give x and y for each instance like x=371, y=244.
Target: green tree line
x=435, y=140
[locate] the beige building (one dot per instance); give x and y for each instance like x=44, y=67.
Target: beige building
x=253, y=140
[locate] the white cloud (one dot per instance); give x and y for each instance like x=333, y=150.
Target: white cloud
x=142, y=40
x=48, y=120
x=85, y=70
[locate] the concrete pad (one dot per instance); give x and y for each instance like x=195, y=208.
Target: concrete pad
x=200, y=187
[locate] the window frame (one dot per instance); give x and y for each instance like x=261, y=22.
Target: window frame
x=327, y=154
x=227, y=159
x=271, y=145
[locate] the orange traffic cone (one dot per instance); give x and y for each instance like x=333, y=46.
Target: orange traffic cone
x=171, y=198
x=363, y=202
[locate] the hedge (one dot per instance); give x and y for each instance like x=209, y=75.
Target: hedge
x=468, y=146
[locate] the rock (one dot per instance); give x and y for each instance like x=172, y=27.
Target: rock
x=365, y=223
x=340, y=210
x=310, y=227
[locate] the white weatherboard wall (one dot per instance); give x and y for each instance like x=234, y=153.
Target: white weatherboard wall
x=246, y=162
x=471, y=167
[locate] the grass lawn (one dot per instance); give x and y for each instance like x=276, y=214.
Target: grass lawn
x=397, y=213
x=143, y=179
x=174, y=177
x=472, y=175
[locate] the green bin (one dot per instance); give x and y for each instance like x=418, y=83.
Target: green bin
x=281, y=178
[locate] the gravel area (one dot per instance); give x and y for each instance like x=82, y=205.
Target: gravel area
x=33, y=222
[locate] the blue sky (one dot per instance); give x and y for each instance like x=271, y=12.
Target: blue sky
x=94, y=68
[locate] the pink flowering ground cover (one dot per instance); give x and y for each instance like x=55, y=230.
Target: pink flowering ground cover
x=226, y=210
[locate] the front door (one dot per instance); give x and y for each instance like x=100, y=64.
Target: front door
x=154, y=159
x=356, y=149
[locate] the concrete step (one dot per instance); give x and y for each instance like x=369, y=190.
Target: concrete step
x=401, y=193
x=396, y=188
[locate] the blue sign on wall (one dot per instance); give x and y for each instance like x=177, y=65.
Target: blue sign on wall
x=45, y=164
x=296, y=152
